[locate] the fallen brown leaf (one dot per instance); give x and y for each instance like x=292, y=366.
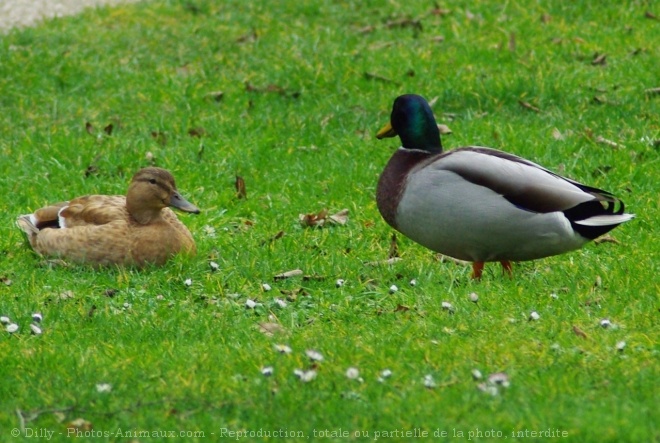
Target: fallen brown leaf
x=197, y=132
x=603, y=141
x=289, y=274
x=652, y=91
x=401, y=308
x=529, y=106
x=380, y=78
x=79, y=424
x=652, y=16
x=322, y=218
x=579, y=332
x=389, y=261
x=269, y=329
x=394, y=248
x=241, y=191
x=607, y=239
x=444, y=129
x=599, y=59
x=89, y=128
x=512, y=42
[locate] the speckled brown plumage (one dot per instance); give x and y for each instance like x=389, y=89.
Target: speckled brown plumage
x=115, y=230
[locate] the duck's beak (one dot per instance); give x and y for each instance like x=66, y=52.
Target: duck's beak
x=386, y=131
x=177, y=201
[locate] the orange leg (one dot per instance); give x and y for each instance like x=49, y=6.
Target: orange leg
x=477, y=269
x=507, y=268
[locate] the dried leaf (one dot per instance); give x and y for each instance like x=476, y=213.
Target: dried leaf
x=380, y=78
x=216, y=95
x=322, y=218
x=439, y=11
x=512, y=42
x=599, y=59
x=389, y=261
x=603, y=141
x=79, y=424
x=607, y=239
x=394, y=248
x=579, y=332
x=557, y=135
x=108, y=129
x=652, y=16
x=289, y=274
x=269, y=329
x=366, y=29
x=529, y=106
x=241, y=191
x=444, y=129
x=160, y=137
x=248, y=38
x=90, y=128
x=401, y=308
x=652, y=91
x=546, y=18
x=277, y=236
x=405, y=23
x=197, y=132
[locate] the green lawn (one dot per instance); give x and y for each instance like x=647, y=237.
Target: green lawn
x=305, y=86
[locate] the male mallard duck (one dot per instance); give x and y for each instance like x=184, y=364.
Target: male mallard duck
x=480, y=204
x=112, y=229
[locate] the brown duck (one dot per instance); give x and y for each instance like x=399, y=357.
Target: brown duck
x=137, y=229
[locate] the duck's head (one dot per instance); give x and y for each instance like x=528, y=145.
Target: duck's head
x=413, y=121
x=151, y=190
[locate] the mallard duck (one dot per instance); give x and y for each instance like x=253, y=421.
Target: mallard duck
x=480, y=204
x=137, y=229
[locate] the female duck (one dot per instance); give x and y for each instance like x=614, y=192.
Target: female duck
x=480, y=204
x=104, y=230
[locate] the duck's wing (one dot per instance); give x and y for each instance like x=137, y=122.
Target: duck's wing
x=530, y=187
x=93, y=244
x=93, y=210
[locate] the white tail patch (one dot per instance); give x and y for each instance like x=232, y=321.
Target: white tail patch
x=61, y=220
x=606, y=220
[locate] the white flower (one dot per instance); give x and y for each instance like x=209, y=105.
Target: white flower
x=605, y=323
x=476, y=374
x=267, y=371
x=620, y=345
x=36, y=330
x=474, y=297
x=266, y=287
x=11, y=328
x=340, y=282
x=393, y=289
x=429, y=382
x=305, y=376
x=533, y=316
x=188, y=282
x=250, y=304
x=103, y=387
x=352, y=373
x=4, y=320
x=281, y=303
x=283, y=349
x=413, y=282
x=314, y=355
x=448, y=306
x=214, y=266
x=37, y=317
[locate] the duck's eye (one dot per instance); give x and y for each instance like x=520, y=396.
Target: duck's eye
x=152, y=181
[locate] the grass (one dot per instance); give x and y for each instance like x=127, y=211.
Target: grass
x=305, y=86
